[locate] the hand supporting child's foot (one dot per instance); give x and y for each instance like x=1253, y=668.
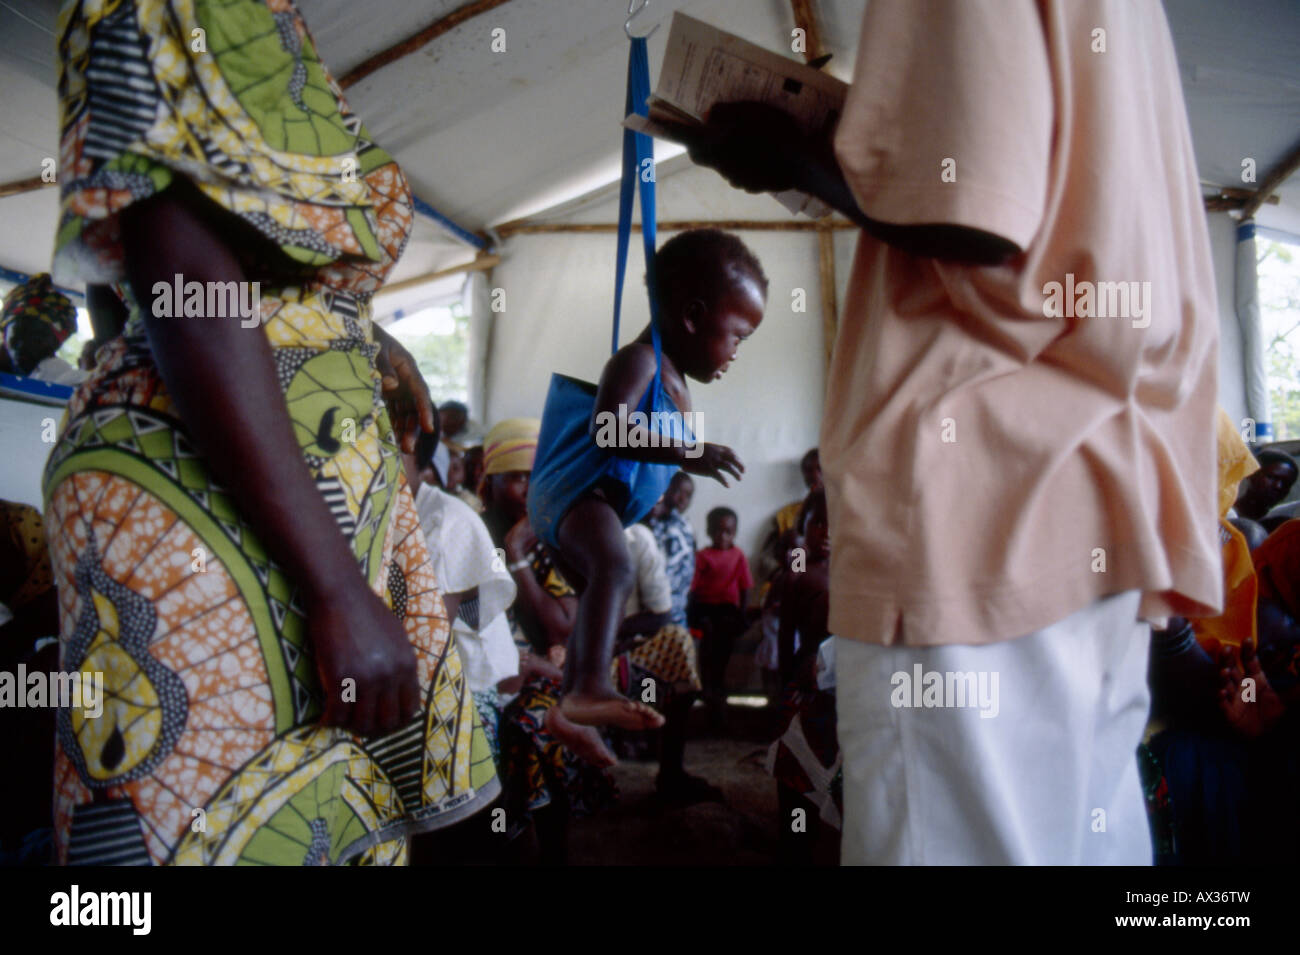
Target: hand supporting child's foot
x=1250, y=717
x=583, y=741
x=609, y=709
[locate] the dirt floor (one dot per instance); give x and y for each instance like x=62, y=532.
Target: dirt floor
x=639, y=830
x=745, y=829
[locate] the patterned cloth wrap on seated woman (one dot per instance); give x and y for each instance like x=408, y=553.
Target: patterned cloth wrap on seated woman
x=537, y=769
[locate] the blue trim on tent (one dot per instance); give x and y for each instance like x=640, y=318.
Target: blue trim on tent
x=29, y=389
x=1246, y=230
x=459, y=232
x=18, y=278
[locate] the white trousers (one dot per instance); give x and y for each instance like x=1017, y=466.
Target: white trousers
x=1050, y=779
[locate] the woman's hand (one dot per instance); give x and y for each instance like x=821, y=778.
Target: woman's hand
x=357, y=637
x=520, y=540
x=405, y=391
x=714, y=460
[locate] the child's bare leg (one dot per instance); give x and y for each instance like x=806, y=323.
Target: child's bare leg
x=583, y=741
x=591, y=541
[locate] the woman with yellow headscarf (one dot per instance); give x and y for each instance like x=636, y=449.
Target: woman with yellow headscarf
x=1236, y=624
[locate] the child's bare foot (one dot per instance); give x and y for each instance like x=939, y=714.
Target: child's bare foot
x=1255, y=715
x=583, y=741
x=609, y=709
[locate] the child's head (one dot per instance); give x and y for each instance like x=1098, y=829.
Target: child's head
x=680, y=491
x=35, y=320
x=815, y=526
x=419, y=465
x=454, y=416
x=722, y=524
x=455, y=470
x=711, y=292
x=811, y=466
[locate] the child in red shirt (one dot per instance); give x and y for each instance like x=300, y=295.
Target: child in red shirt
x=718, y=596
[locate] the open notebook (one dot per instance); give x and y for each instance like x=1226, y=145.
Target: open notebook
x=704, y=65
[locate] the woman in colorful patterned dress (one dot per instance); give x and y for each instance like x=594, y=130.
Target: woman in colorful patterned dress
x=233, y=540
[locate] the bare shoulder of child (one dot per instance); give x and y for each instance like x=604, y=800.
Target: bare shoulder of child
x=630, y=372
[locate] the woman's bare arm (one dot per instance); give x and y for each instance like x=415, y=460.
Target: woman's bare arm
x=107, y=314
x=222, y=381
x=555, y=614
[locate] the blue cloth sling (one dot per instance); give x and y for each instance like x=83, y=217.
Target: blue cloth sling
x=569, y=463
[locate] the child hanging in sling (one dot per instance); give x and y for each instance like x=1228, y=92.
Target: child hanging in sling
x=600, y=467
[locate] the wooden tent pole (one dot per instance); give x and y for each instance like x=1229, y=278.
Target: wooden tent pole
x=489, y=327
x=806, y=19
x=830, y=305
x=481, y=264
x=418, y=40
x=1230, y=200
x=1281, y=172
x=508, y=229
x=19, y=186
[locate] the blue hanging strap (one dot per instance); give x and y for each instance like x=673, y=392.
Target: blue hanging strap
x=637, y=149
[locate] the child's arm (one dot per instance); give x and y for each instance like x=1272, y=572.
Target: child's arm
x=624, y=381
x=746, y=583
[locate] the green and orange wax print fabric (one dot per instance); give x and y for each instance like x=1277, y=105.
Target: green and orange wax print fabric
x=208, y=749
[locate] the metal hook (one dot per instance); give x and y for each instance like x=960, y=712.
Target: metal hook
x=634, y=11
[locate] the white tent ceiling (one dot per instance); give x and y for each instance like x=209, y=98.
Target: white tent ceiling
x=486, y=137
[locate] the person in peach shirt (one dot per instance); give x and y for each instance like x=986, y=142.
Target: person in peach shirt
x=1019, y=443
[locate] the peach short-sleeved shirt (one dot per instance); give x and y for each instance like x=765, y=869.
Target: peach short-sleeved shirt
x=1000, y=453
